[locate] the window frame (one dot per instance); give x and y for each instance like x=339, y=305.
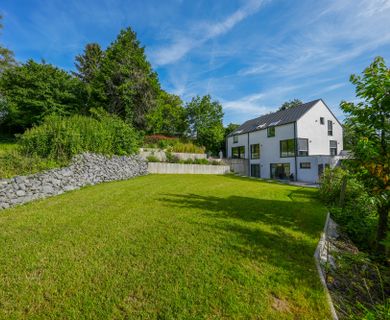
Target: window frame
x=235, y=138
x=322, y=120
x=305, y=165
x=257, y=165
x=330, y=128
x=271, y=132
x=288, y=154
x=240, y=155
x=258, y=152
x=332, y=148
x=298, y=150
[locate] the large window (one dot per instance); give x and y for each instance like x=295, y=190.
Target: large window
x=280, y=170
x=255, y=151
x=303, y=147
x=287, y=148
x=235, y=139
x=270, y=132
x=255, y=170
x=330, y=128
x=333, y=147
x=238, y=152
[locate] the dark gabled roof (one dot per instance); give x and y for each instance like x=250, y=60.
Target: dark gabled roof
x=274, y=119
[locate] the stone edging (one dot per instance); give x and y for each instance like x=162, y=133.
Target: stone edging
x=320, y=255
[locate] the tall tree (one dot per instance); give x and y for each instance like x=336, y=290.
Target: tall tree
x=205, y=122
x=88, y=64
x=290, y=104
x=126, y=84
x=370, y=121
x=169, y=117
x=34, y=90
x=7, y=58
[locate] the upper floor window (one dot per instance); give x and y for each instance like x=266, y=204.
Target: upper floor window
x=322, y=120
x=303, y=147
x=235, y=139
x=270, y=132
x=330, y=128
x=333, y=147
x=238, y=152
x=287, y=148
x=255, y=151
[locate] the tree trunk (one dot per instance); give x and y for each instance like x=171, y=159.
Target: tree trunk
x=383, y=212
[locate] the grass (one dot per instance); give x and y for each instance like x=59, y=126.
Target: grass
x=7, y=144
x=164, y=247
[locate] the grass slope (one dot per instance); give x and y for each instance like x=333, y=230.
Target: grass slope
x=164, y=247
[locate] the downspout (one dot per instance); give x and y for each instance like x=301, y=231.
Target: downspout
x=249, y=165
x=296, y=150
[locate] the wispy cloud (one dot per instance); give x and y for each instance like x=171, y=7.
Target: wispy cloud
x=183, y=43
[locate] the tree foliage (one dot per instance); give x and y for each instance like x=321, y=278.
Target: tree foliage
x=168, y=117
x=290, y=104
x=370, y=121
x=7, y=59
x=34, y=90
x=126, y=84
x=88, y=64
x=205, y=122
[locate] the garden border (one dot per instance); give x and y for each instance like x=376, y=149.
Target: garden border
x=322, y=250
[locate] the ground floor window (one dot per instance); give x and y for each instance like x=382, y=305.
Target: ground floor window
x=255, y=151
x=305, y=165
x=280, y=170
x=255, y=170
x=238, y=152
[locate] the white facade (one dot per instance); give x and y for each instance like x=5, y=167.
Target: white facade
x=313, y=126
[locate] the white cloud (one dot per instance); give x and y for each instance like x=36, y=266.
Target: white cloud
x=183, y=43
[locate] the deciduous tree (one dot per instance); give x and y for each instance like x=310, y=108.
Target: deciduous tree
x=169, y=116
x=205, y=122
x=34, y=90
x=370, y=121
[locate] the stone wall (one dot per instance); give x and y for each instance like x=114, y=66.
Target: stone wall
x=85, y=169
x=179, y=168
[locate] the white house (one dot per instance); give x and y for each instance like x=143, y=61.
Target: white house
x=297, y=143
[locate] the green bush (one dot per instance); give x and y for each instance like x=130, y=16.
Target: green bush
x=171, y=158
x=358, y=214
x=13, y=163
x=201, y=161
x=187, y=147
x=152, y=158
x=60, y=138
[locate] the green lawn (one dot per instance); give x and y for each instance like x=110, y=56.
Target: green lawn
x=164, y=247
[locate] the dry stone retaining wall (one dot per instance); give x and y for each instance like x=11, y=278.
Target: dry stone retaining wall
x=85, y=169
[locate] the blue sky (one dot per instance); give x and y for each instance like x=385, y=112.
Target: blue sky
x=250, y=55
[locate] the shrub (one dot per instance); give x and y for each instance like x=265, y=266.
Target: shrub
x=358, y=215
x=201, y=161
x=152, y=158
x=159, y=141
x=171, y=158
x=13, y=163
x=188, y=147
x=60, y=138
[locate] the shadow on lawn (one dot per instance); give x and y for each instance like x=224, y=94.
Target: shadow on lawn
x=300, y=214
x=234, y=219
